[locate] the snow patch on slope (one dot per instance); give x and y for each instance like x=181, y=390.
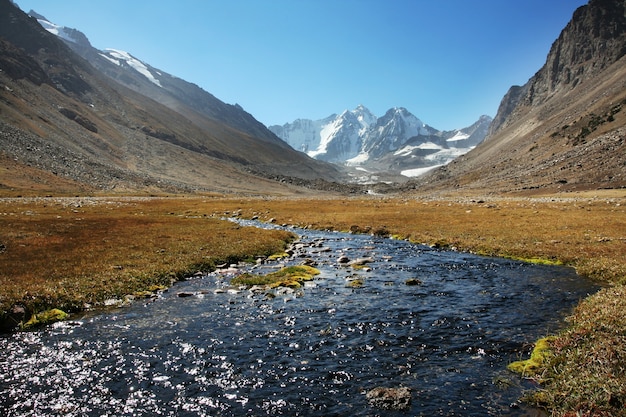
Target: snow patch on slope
x=458, y=136
x=407, y=150
x=359, y=159
x=416, y=172
x=137, y=65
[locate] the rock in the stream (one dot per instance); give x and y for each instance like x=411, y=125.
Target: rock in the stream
x=361, y=261
x=343, y=259
x=184, y=294
x=389, y=398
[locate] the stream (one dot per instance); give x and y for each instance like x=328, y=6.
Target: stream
x=313, y=351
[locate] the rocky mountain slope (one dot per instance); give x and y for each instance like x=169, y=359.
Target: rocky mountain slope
x=61, y=115
x=565, y=128
x=396, y=143
x=173, y=92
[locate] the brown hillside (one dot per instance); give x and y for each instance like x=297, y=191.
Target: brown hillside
x=60, y=115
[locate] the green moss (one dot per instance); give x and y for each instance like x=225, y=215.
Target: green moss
x=45, y=317
x=286, y=283
x=356, y=283
x=537, y=361
x=291, y=276
x=277, y=256
x=537, y=261
x=157, y=288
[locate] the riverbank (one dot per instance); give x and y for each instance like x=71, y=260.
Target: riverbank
x=68, y=252
x=84, y=253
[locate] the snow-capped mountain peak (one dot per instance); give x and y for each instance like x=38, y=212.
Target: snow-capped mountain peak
x=333, y=139
x=397, y=141
x=364, y=116
x=65, y=33
x=114, y=56
x=392, y=130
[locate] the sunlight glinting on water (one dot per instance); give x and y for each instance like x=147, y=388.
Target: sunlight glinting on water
x=311, y=351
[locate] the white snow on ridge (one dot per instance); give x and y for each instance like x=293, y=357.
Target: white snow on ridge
x=326, y=134
x=56, y=30
x=458, y=136
x=108, y=58
x=136, y=64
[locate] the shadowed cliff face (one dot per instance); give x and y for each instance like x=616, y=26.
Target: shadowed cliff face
x=565, y=128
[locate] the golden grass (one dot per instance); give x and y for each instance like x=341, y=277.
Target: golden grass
x=588, y=234
x=68, y=253
x=64, y=253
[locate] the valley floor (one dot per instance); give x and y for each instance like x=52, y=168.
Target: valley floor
x=69, y=252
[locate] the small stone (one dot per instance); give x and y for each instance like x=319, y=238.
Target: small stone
x=113, y=302
x=361, y=261
x=184, y=294
x=343, y=259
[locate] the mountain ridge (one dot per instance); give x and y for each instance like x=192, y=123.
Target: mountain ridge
x=53, y=100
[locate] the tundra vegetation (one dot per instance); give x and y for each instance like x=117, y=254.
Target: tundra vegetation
x=64, y=253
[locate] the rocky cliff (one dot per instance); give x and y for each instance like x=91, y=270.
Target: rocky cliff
x=591, y=42
x=565, y=128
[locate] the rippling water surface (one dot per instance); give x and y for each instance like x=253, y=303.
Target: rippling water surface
x=312, y=352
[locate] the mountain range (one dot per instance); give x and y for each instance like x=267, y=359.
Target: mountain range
x=398, y=142
x=77, y=119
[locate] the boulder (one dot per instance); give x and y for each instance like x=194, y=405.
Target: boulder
x=184, y=294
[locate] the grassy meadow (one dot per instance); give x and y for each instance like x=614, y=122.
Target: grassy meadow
x=68, y=252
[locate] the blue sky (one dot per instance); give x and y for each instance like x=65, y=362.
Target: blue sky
x=447, y=61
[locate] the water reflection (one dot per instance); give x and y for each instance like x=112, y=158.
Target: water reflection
x=312, y=352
